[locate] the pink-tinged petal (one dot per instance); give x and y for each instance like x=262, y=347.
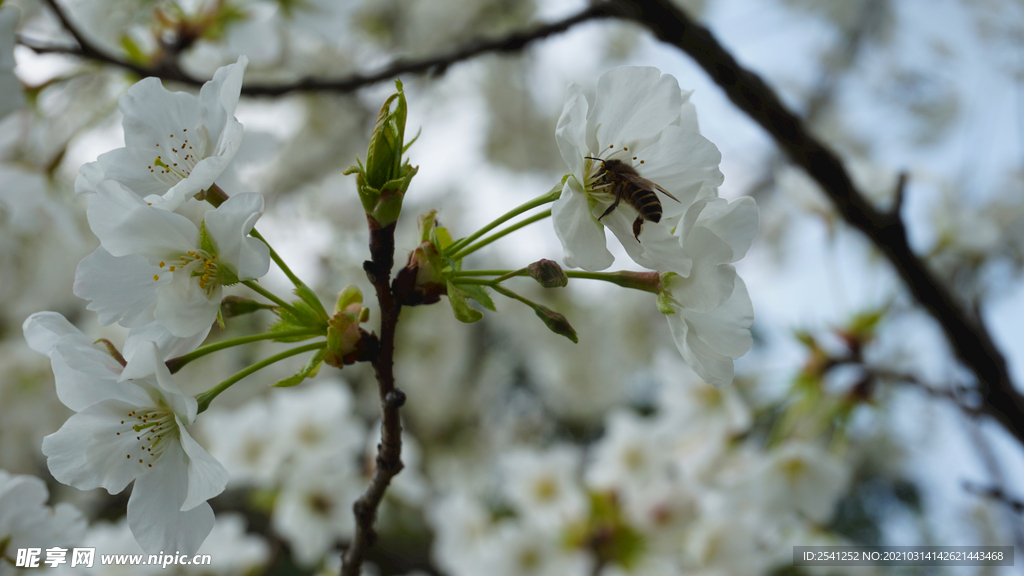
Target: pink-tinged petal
x=219, y=96
x=152, y=114
x=154, y=509
x=87, y=452
x=734, y=222
x=633, y=105
x=206, y=476
x=125, y=225
x=84, y=375
x=146, y=366
x=571, y=130
x=185, y=308
x=581, y=235
x=119, y=289
x=44, y=329
x=170, y=346
x=229, y=226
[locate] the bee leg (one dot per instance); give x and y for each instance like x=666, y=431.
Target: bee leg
x=638, y=225
x=612, y=207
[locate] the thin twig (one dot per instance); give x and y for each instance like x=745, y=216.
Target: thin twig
x=433, y=65
x=389, y=451
x=971, y=341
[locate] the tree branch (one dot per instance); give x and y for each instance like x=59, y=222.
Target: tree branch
x=389, y=450
x=972, y=343
x=433, y=65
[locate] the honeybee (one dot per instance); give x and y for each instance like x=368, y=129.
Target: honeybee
x=627, y=184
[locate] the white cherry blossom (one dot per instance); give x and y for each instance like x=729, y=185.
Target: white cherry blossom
x=157, y=265
x=176, y=145
x=641, y=118
x=130, y=424
x=709, y=309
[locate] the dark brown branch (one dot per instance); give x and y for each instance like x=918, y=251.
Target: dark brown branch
x=970, y=340
x=995, y=493
x=166, y=69
x=434, y=65
x=389, y=451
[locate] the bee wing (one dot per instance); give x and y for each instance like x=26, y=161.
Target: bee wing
x=645, y=184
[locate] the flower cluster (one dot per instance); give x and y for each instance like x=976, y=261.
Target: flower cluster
x=159, y=271
x=673, y=493
x=639, y=166
x=27, y=522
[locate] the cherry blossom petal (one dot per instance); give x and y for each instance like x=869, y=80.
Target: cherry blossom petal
x=154, y=509
x=184, y=308
x=633, y=106
x=571, y=130
x=119, y=289
x=206, y=476
x=229, y=225
x=126, y=224
x=582, y=236
x=88, y=453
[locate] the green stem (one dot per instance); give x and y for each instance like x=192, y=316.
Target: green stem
x=645, y=281
x=469, y=250
x=506, y=292
x=277, y=260
x=206, y=397
x=175, y=364
x=476, y=281
x=267, y=294
x=538, y=201
x=482, y=272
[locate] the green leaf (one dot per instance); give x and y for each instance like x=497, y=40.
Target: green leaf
x=308, y=371
x=479, y=293
x=460, y=305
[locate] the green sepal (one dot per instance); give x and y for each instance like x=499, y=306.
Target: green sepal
x=308, y=371
x=460, y=305
x=309, y=297
x=479, y=293
x=300, y=317
x=205, y=242
x=441, y=238
x=220, y=318
x=664, y=300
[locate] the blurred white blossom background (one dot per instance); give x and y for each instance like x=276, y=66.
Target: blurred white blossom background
x=524, y=452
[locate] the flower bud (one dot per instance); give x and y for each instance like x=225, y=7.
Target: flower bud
x=382, y=183
x=556, y=323
x=345, y=338
x=349, y=295
x=548, y=273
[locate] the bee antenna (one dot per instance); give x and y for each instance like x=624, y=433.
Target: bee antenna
x=592, y=158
